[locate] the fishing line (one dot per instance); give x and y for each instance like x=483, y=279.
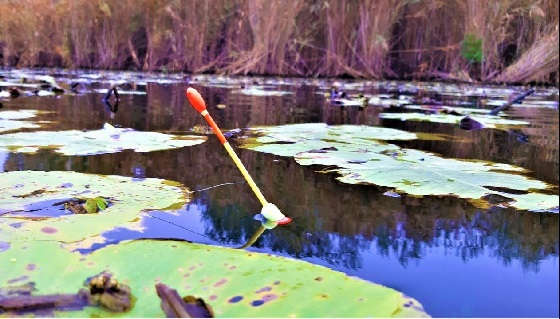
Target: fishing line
x=177, y=225
x=219, y=185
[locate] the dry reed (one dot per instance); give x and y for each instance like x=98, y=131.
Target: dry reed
x=368, y=38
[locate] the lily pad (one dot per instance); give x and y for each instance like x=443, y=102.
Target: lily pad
x=381, y=99
x=236, y=283
x=25, y=194
x=18, y=115
x=488, y=121
x=462, y=110
x=258, y=91
x=362, y=158
x=109, y=139
x=10, y=120
x=9, y=125
x=529, y=103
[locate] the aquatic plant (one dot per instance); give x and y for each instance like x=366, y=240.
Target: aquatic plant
x=362, y=157
x=235, y=282
x=109, y=139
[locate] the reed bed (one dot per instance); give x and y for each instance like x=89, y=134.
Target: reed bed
x=513, y=41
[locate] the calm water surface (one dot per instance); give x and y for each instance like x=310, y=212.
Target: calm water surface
x=456, y=259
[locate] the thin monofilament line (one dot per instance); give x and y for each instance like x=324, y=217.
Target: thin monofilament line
x=219, y=185
x=180, y=226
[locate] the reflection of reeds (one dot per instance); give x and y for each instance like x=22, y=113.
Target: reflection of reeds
x=368, y=38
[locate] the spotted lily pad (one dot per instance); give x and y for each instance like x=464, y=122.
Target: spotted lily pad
x=37, y=199
x=361, y=157
x=109, y=139
x=489, y=121
x=235, y=283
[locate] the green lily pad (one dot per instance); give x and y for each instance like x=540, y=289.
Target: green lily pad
x=10, y=120
x=37, y=199
x=18, y=115
x=488, y=121
x=9, y=125
x=107, y=140
x=236, y=283
x=362, y=158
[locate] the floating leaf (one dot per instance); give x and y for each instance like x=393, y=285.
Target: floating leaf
x=445, y=108
x=528, y=103
x=489, y=121
x=362, y=158
x=235, y=283
x=258, y=91
x=9, y=125
x=9, y=120
x=43, y=194
x=385, y=100
x=107, y=140
x=19, y=114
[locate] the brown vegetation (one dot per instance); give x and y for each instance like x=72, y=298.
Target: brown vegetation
x=368, y=38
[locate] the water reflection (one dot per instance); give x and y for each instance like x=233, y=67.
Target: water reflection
x=417, y=245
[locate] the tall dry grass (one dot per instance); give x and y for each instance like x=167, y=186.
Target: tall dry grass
x=367, y=38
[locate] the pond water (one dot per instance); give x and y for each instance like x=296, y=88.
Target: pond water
x=453, y=257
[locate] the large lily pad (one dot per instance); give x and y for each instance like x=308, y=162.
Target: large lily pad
x=10, y=120
x=488, y=121
x=362, y=158
x=35, y=200
x=109, y=139
x=236, y=283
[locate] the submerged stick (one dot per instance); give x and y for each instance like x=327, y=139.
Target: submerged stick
x=269, y=210
x=176, y=307
x=515, y=99
x=49, y=302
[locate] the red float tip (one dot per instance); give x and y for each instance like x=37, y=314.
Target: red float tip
x=284, y=221
x=195, y=99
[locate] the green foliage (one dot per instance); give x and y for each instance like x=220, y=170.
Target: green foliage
x=30, y=192
x=101, y=203
x=488, y=121
x=471, y=48
x=235, y=283
x=12, y=120
x=363, y=158
x=109, y=139
x=93, y=205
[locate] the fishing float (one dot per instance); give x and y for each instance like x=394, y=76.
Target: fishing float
x=269, y=211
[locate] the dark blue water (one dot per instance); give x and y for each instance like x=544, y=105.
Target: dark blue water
x=456, y=259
